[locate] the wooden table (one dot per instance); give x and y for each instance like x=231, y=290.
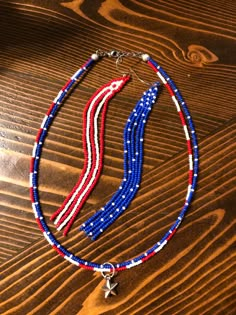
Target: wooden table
x=42, y=44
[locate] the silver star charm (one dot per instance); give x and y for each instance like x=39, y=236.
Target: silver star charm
x=109, y=288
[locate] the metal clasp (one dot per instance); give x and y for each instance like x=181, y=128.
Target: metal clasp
x=115, y=54
x=118, y=54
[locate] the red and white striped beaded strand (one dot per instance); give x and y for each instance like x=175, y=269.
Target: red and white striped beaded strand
x=93, y=146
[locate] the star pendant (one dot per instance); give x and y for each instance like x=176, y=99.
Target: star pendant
x=109, y=288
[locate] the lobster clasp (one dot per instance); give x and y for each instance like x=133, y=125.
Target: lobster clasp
x=115, y=54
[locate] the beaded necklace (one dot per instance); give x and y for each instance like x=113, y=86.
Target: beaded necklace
x=133, y=133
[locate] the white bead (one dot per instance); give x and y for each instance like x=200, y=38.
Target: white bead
x=145, y=57
x=95, y=56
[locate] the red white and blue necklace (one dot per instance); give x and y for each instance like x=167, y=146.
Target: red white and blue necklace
x=93, y=145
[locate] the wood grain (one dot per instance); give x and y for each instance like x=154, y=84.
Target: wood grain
x=42, y=44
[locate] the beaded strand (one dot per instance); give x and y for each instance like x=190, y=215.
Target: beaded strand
x=193, y=172
x=182, y=110
x=93, y=152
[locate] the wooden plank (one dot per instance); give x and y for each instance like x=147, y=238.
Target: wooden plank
x=200, y=263
x=42, y=44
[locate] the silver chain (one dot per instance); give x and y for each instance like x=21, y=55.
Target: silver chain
x=119, y=54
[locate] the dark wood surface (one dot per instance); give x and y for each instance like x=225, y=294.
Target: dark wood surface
x=42, y=44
